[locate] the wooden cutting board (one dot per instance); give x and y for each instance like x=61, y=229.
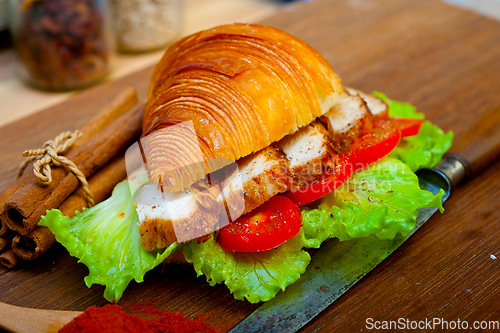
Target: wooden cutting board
x=444, y=60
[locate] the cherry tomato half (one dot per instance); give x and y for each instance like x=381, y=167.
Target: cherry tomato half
x=264, y=228
x=373, y=146
x=408, y=126
x=305, y=195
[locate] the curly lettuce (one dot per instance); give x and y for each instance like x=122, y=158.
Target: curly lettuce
x=382, y=200
x=253, y=276
x=106, y=239
x=423, y=150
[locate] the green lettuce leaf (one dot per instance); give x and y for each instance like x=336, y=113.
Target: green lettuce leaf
x=399, y=109
x=423, y=150
x=106, y=239
x=382, y=200
x=254, y=276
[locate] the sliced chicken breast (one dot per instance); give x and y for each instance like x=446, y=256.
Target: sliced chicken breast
x=263, y=175
x=166, y=217
x=311, y=153
x=348, y=119
x=377, y=107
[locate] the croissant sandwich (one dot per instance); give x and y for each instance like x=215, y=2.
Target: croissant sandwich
x=253, y=150
x=251, y=94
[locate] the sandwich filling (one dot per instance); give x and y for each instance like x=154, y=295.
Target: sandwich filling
x=296, y=161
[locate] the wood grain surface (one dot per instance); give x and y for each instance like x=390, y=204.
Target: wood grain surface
x=444, y=60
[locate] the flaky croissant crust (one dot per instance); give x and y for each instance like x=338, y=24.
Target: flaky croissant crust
x=242, y=86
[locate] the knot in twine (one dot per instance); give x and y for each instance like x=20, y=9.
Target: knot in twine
x=50, y=153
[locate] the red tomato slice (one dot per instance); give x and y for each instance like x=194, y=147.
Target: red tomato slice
x=373, y=146
x=264, y=228
x=408, y=126
x=305, y=195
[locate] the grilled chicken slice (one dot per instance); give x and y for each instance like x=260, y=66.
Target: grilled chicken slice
x=311, y=153
x=263, y=175
x=348, y=119
x=185, y=215
x=176, y=216
x=377, y=107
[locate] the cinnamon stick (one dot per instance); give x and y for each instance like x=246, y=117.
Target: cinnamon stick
x=3, y=228
x=119, y=105
x=5, y=242
x=8, y=258
x=9, y=191
x=24, y=209
x=34, y=245
x=101, y=184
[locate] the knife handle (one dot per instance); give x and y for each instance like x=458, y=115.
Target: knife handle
x=479, y=146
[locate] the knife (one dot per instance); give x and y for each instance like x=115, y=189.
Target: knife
x=337, y=266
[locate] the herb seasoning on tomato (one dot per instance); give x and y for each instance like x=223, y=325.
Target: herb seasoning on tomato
x=305, y=195
x=375, y=145
x=408, y=126
x=264, y=228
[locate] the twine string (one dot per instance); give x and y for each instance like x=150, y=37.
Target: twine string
x=51, y=153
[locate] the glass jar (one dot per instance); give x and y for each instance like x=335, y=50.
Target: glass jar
x=146, y=25
x=62, y=44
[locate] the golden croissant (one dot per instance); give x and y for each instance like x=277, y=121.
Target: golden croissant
x=221, y=94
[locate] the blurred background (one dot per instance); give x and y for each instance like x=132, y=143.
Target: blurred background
x=67, y=45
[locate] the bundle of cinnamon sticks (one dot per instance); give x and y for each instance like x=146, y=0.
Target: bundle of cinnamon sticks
x=99, y=153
